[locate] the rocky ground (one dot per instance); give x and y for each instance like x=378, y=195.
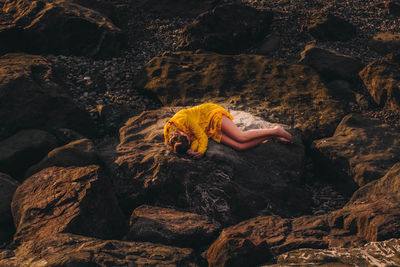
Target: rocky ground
x=115, y=88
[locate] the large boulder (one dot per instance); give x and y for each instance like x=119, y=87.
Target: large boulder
x=22, y=150
x=330, y=64
x=30, y=98
x=75, y=250
x=360, y=151
x=290, y=94
x=171, y=227
x=385, y=253
x=382, y=79
x=77, y=153
x=329, y=28
x=7, y=189
x=226, y=185
x=226, y=29
x=351, y=226
x=63, y=27
x=75, y=200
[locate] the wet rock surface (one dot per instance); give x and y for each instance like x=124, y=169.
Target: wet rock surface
x=7, y=189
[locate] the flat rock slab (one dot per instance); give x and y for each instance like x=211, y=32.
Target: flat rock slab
x=290, y=94
x=382, y=79
x=74, y=200
x=171, y=227
x=328, y=27
x=352, y=226
x=225, y=184
x=22, y=150
x=30, y=98
x=226, y=29
x=360, y=151
x=63, y=27
x=385, y=253
x=330, y=64
x=385, y=42
x=75, y=250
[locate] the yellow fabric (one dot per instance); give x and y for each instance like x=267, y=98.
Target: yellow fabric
x=199, y=123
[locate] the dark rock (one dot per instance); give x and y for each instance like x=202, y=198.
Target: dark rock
x=105, y=7
x=342, y=90
x=75, y=250
x=7, y=189
x=227, y=29
x=383, y=253
x=361, y=150
x=291, y=94
x=226, y=185
x=171, y=227
x=22, y=150
x=391, y=6
x=386, y=42
x=63, y=27
x=376, y=76
x=31, y=99
x=113, y=116
x=77, y=153
x=349, y=227
x=75, y=200
x=329, y=28
x=269, y=45
x=330, y=64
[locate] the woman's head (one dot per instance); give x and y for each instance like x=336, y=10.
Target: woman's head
x=179, y=141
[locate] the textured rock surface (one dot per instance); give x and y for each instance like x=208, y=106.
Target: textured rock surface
x=386, y=42
x=76, y=153
x=329, y=28
x=226, y=29
x=382, y=79
x=22, y=150
x=7, y=189
x=171, y=227
x=63, y=27
x=225, y=185
x=385, y=253
x=351, y=226
x=291, y=94
x=75, y=250
x=361, y=150
x=30, y=98
x=331, y=65
x=75, y=200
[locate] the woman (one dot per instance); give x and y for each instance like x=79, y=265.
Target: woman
x=189, y=129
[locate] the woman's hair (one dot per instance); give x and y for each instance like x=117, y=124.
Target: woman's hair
x=179, y=142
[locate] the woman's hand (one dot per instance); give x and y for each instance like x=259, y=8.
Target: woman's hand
x=194, y=154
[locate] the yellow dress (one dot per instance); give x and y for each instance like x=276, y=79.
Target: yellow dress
x=199, y=123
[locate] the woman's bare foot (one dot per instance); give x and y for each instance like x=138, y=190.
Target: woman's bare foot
x=283, y=135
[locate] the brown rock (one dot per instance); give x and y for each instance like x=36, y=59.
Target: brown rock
x=383, y=253
x=329, y=64
x=7, y=189
x=329, y=28
x=22, y=150
x=77, y=153
x=31, y=99
x=226, y=29
x=226, y=185
x=382, y=79
x=291, y=94
x=349, y=227
x=63, y=27
x=75, y=250
x=74, y=200
x=361, y=150
x=386, y=42
x=171, y=227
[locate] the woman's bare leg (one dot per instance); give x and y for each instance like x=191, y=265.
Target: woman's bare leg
x=229, y=129
x=241, y=146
